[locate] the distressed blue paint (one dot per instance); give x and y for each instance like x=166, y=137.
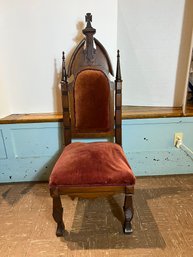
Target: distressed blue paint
x=3, y=154
x=155, y=134
x=29, y=151
x=148, y=144
x=32, y=150
x=34, y=142
x=160, y=163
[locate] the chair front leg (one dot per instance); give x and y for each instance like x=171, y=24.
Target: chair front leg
x=58, y=216
x=128, y=211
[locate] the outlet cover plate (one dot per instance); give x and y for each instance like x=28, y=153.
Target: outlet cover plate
x=177, y=136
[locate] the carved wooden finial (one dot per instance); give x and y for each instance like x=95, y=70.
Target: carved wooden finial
x=88, y=19
x=63, y=56
x=89, y=31
x=118, y=72
x=64, y=74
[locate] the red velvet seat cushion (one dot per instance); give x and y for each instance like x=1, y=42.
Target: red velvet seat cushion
x=88, y=164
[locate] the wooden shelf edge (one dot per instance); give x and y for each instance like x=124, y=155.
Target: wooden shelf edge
x=128, y=112
x=31, y=118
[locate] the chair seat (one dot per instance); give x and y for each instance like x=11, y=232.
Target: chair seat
x=92, y=164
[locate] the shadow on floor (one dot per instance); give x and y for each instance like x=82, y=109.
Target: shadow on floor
x=94, y=226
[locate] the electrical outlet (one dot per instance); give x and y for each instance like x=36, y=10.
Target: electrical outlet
x=178, y=136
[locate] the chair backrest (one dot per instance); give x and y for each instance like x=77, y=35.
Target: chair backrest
x=91, y=102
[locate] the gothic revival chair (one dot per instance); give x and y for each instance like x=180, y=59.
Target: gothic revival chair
x=98, y=168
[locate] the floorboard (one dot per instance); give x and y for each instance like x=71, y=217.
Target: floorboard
x=163, y=222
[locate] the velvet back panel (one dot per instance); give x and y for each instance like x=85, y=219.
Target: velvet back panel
x=92, y=101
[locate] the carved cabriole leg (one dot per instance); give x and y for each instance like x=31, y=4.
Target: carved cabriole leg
x=58, y=215
x=128, y=211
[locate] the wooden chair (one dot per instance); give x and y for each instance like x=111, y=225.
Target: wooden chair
x=98, y=168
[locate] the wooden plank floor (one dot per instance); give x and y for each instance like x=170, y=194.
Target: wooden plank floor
x=163, y=222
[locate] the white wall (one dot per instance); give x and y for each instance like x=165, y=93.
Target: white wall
x=4, y=99
x=33, y=35
x=149, y=33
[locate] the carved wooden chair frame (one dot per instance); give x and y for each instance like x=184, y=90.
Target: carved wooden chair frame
x=90, y=54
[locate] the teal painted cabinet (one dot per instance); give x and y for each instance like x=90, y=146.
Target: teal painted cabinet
x=29, y=151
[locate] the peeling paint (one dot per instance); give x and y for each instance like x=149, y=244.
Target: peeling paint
x=158, y=163
x=157, y=160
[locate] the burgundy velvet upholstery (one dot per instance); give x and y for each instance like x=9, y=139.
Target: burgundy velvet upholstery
x=92, y=95
x=99, y=163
